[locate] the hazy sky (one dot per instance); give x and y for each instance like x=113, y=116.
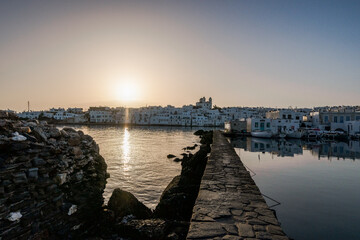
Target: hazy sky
x=242, y=53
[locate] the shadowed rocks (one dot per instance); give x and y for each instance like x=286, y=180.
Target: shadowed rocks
x=124, y=203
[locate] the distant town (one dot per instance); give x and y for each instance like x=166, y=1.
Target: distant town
x=205, y=114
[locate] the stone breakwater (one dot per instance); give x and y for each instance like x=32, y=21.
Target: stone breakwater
x=229, y=204
x=51, y=181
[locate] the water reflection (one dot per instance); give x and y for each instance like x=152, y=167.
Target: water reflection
x=292, y=147
x=318, y=191
x=136, y=157
x=126, y=150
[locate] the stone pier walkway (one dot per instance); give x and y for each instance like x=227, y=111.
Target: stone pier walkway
x=229, y=204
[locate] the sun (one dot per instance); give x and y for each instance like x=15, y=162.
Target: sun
x=127, y=92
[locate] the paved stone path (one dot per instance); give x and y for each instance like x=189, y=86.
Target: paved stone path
x=229, y=204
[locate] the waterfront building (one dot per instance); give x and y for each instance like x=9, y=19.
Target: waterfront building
x=336, y=119
x=235, y=126
x=259, y=124
x=285, y=114
x=101, y=115
x=29, y=114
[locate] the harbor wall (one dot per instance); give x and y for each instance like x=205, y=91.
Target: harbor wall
x=229, y=204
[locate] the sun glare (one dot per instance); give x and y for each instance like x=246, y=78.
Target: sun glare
x=127, y=92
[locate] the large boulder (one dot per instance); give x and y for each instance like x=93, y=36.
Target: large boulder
x=124, y=203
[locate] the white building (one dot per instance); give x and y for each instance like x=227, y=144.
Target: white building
x=101, y=115
x=29, y=115
x=204, y=104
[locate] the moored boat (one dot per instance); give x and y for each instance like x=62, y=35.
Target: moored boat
x=262, y=134
x=294, y=134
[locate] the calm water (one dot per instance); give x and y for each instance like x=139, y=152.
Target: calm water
x=317, y=184
x=137, y=157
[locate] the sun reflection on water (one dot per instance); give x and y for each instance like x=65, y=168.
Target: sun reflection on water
x=126, y=150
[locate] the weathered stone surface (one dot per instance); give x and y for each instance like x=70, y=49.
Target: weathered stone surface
x=245, y=230
x=39, y=185
x=229, y=204
x=206, y=230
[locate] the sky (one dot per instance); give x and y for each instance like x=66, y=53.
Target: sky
x=136, y=53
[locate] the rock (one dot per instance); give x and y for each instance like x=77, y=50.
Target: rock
x=2, y=123
x=199, y=132
x=64, y=133
x=33, y=173
x=39, y=134
x=171, y=156
x=24, y=129
x=20, y=177
x=74, y=139
x=79, y=175
x=29, y=137
x=38, y=162
x=177, y=160
x=14, y=216
x=17, y=137
x=145, y=229
x=55, y=133
x=61, y=178
x=124, y=203
x=72, y=209
x=77, y=152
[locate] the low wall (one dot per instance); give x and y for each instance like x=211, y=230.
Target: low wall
x=229, y=204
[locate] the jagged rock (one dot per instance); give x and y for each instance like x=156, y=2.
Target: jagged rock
x=199, y=132
x=64, y=134
x=14, y=216
x=170, y=156
x=178, y=198
x=61, y=178
x=39, y=134
x=54, y=133
x=124, y=203
x=74, y=139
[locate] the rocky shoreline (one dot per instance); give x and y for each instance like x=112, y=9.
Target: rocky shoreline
x=52, y=181
x=127, y=217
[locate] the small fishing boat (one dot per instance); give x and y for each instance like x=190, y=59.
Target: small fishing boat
x=294, y=134
x=262, y=134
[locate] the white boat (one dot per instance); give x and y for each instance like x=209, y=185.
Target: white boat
x=294, y=134
x=262, y=134
x=281, y=135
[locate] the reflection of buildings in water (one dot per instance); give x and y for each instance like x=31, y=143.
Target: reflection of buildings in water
x=282, y=148
x=291, y=147
x=340, y=150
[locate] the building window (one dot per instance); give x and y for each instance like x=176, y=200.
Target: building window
x=289, y=116
x=335, y=119
x=297, y=117
x=326, y=119
x=284, y=116
x=268, y=125
x=357, y=118
x=256, y=124
x=347, y=118
x=341, y=119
